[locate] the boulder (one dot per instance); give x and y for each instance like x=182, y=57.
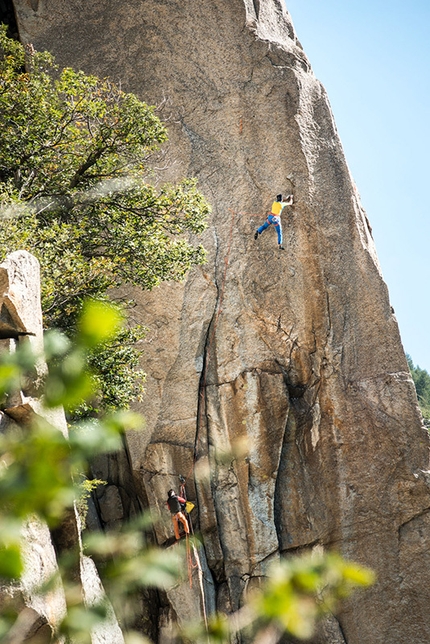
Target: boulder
x=21, y=321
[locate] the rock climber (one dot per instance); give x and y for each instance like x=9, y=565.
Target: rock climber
x=175, y=504
x=274, y=217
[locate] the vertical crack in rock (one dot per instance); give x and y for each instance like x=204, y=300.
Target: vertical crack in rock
x=208, y=519
x=292, y=514
x=256, y=4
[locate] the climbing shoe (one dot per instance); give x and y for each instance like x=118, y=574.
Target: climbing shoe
x=256, y=234
x=281, y=247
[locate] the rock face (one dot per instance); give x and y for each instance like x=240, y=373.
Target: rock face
x=297, y=352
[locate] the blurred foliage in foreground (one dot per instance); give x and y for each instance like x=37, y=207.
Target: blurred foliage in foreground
x=41, y=480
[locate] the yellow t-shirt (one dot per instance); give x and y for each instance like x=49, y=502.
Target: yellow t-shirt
x=277, y=207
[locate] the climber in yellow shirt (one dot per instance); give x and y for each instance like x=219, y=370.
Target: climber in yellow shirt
x=275, y=218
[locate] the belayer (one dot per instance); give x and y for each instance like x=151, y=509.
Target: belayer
x=274, y=217
x=176, y=506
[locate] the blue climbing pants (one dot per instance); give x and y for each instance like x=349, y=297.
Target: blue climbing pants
x=276, y=221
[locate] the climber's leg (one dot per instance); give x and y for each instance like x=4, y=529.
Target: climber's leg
x=261, y=229
x=182, y=518
x=176, y=526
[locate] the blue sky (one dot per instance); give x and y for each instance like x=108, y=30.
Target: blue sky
x=373, y=58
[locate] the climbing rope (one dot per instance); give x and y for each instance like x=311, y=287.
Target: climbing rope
x=183, y=494
x=191, y=552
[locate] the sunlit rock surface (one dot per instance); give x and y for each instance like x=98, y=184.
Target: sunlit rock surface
x=296, y=352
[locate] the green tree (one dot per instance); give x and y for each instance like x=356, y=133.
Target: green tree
x=74, y=190
x=421, y=379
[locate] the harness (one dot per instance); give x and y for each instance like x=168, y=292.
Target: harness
x=275, y=219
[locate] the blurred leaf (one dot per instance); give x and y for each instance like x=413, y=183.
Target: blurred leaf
x=81, y=620
x=68, y=382
x=218, y=630
x=132, y=637
x=92, y=437
x=301, y=589
x=98, y=323
x=56, y=344
x=357, y=575
x=11, y=565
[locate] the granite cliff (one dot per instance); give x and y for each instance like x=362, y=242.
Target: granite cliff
x=296, y=352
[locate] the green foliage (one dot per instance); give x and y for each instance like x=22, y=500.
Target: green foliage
x=421, y=380
x=118, y=378
x=88, y=486
x=74, y=191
